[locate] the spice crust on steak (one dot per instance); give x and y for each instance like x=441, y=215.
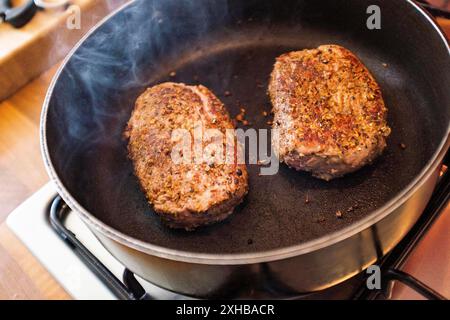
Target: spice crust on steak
x=329, y=111
x=184, y=195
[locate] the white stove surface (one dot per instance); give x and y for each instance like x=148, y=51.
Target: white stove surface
x=30, y=224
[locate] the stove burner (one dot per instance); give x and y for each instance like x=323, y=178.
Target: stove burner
x=355, y=288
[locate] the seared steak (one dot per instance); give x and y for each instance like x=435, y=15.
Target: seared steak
x=184, y=194
x=329, y=111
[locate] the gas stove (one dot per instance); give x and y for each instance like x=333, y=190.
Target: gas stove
x=86, y=270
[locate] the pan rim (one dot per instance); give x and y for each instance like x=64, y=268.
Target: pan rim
x=235, y=258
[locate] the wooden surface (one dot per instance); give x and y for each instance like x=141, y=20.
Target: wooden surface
x=21, y=168
x=21, y=275
x=27, y=52
x=22, y=173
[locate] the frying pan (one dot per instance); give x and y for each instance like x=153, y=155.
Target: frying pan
x=275, y=242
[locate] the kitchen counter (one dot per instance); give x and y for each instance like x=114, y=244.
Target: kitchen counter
x=22, y=173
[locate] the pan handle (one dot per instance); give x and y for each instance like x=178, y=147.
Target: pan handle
x=17, y=16
x=433, y=10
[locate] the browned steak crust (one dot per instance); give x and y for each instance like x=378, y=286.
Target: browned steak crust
x=185, y=195
x=329, y=111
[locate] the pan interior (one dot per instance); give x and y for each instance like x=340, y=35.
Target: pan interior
x=235, y=52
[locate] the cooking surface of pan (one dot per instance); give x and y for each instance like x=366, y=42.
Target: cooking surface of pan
x=234, y=50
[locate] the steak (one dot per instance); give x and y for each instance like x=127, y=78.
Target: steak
x=329, y=111
x=184, y=194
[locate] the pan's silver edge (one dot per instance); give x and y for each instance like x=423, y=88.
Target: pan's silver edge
x=242, y=258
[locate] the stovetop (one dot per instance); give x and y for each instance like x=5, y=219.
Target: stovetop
x=86, y=270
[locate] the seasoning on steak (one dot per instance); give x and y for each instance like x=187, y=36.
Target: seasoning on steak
x=329, y=111
x=192, y=194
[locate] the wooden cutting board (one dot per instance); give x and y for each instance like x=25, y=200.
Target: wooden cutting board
x=26, y=52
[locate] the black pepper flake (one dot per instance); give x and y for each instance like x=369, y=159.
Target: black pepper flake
x=250, y=241
x=239, y=172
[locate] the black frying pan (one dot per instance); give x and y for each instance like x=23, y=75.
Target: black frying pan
x=231, y=46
